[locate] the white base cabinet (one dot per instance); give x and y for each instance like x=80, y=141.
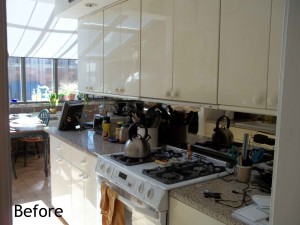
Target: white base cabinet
x=182, y=214
x=73, y=183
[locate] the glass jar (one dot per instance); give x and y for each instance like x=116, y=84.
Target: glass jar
x=106, y=128
x=117, y=131
x=123, y=136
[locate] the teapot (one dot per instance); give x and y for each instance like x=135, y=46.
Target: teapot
x=223, y=137
x=137, y=146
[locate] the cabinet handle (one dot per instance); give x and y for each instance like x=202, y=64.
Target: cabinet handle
x=272, y=101
x=91, y=88
x=116, y=89
x=59, y=160
x=87, y=88
x=256, y=100
x=83, y=162
x=81, y=175
x=175, y=94
x=167, y=93
x=121, y=90
x=85, y=178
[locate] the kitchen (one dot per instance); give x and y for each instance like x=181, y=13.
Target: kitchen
x=280, y=217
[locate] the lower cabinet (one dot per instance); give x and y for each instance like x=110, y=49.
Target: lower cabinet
x=61, y=185
x=73, y=183
x=182, y=214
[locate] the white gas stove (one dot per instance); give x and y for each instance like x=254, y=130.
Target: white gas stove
x=149, y=180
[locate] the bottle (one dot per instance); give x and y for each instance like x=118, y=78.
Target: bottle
x=123, y=136
x=33, y=95
x=117, y=131
x=38, y=94
x=106, y=128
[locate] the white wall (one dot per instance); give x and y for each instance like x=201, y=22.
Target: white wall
x=5, y=184
x=286, y=185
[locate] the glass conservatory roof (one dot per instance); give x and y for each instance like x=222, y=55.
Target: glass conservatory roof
x=33, y=30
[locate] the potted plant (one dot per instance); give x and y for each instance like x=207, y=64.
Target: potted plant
x=69, y=90
x=53, y=102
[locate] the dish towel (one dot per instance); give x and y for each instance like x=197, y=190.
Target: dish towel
x=112, y=209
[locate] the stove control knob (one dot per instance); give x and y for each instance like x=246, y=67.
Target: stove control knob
x=141, y=188
x=108, y=170
x=150, y=193
x=102, y=167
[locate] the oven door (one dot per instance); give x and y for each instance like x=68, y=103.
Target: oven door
x=136, y=211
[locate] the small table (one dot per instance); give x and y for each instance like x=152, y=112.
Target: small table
x=25, y=127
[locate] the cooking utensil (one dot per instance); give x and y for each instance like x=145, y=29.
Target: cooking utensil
x=137, y=146
x=223, y=137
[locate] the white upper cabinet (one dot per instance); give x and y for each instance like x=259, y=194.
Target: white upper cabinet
x=83, y=58
x=130, y=47
x=90, y=54
x=244, y=52
x=180, y=50
x=122, y=49
x=196, y=49
x=276, y=41
x=157, y=49
x=112, y=49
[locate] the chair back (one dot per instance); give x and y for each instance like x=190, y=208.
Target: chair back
x=44, y=115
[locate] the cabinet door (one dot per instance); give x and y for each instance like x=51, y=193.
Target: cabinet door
x=91, y=203
x=196, y=49
x=112, y=49
x=83, y=55
x=130, y=47
x=244, y=51
x=78, y=206
x=96, y=52
x=275, y=56
x=157, y=48
x=61, y=185
x=182, y=214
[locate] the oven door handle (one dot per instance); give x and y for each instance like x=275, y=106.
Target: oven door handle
x=143, y=210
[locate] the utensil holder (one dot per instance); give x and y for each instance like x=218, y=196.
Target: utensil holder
x=243, y=173
x=153, y=132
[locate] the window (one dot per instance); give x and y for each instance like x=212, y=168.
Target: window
x=15, y=79
x=32, y=79
x=39, y=78
x=66, y=71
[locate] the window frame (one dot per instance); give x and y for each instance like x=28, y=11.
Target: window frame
x=24, y=99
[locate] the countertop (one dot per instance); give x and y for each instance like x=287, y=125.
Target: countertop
x=86, y=140
x=192, y=196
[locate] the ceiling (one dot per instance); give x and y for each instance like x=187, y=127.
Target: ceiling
x=33, y=30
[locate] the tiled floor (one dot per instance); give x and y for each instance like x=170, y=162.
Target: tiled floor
x=31, y=185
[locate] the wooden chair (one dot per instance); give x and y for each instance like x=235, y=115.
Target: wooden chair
x=44, y=116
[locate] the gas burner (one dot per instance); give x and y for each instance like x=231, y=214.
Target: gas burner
x=182, y=171
x=169, y=176
x=164, y=153
x=128, y=161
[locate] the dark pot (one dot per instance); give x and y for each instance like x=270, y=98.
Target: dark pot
x=223, y=137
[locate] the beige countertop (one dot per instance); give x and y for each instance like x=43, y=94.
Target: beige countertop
x=192, y=196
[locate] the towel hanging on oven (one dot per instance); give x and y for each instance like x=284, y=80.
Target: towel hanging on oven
x=112, y=209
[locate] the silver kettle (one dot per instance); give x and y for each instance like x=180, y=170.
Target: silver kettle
x=137, y=146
